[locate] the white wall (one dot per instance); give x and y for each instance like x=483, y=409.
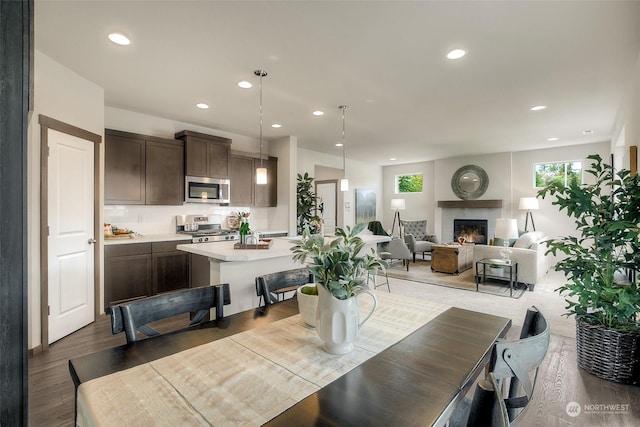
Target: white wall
x=627, y=128
x=510, y=177
x=361, y=175
x=65, y=96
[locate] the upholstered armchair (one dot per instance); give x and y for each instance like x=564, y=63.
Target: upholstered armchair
x=416, y=237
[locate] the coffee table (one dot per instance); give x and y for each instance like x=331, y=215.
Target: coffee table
x=452, y=259
x=484, y=270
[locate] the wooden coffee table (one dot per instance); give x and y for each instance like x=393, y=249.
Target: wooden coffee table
x=452, y=259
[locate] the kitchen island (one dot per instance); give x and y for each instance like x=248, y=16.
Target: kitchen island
x=240, y=267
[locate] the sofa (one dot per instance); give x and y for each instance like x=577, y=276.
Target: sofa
x=528, y=250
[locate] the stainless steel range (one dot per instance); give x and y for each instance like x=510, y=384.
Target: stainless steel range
x=202, y=230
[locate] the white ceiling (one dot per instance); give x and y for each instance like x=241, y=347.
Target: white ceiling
x=384, y=59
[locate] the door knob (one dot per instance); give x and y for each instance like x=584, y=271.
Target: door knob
x=92, y=241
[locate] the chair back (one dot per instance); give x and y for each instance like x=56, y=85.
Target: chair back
x=135, y=315
x=418, y=229
x=514, y=364
x=288, y=280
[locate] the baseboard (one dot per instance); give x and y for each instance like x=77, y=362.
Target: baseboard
x=35, y=350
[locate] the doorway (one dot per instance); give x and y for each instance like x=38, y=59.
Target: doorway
x=69, y=228
x=327, y=193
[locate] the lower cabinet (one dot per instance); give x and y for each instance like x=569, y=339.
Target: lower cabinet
x=138, y=270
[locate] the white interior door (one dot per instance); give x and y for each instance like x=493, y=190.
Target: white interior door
x=326, y=191
x=71, y=240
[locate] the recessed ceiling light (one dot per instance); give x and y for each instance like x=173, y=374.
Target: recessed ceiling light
x=318, y=113
x=120, y=39
x=202, y=105
x=538, y=107
x=245, y=84
x=393, y=158
x=339, y=144
x=554, y=138
x=456, y=54
x=587, y=132
x=276, y=125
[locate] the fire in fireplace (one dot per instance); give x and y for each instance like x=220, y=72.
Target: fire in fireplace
x=473, y=230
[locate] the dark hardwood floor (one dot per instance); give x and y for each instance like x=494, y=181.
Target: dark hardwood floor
x=51, y=392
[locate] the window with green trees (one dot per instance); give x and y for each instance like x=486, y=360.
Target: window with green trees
x=563, y=173
x=409, y=183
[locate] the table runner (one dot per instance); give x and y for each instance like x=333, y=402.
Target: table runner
x=247, y=378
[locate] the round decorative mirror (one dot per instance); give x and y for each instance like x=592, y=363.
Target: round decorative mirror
x=469, y=182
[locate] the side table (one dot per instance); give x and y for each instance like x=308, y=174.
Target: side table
x=509, y=269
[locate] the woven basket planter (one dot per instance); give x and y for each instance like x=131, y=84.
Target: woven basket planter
x=608, y=354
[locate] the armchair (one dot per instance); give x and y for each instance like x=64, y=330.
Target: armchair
x=416, y=237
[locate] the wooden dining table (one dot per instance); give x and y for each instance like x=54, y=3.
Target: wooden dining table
x=416, y=380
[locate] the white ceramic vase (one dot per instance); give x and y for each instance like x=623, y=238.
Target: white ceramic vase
x=307, y=305
x=337, y=321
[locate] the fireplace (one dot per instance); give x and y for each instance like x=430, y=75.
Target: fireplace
x=473, y=230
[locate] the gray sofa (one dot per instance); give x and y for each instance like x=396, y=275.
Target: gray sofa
x=528, y=250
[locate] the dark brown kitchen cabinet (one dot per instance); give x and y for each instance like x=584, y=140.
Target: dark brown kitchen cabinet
x=141, y=169
x=127, y=272
x=266, y=195
x=206, y=155
x=241, y=176
x=124, y=169
x=138, y=270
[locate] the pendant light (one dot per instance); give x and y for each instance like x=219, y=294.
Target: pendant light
x=261, y=172
x=344, y=182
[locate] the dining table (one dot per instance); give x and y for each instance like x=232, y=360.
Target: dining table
x=413, y=361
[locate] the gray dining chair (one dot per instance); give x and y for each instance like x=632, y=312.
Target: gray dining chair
x=134, y=316
x=502, y=397
x=270, y=287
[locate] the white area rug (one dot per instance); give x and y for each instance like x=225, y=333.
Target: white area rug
x=543, y=297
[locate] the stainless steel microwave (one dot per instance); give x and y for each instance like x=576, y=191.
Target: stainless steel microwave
x=206, y=190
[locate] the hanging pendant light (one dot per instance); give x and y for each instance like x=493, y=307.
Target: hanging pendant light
x=261, y=172
x=344, y=182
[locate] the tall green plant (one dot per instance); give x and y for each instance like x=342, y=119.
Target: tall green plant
x=607, y=217
x=338, y=265
x=307, y=205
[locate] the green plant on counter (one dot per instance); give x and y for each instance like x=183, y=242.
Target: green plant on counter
x=338, y=265
x=607, y=217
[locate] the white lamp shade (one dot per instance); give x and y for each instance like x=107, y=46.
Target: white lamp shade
x=506, y=228
x=398, y=204
x=529, y=203
x=261, y=176
x=344, y=184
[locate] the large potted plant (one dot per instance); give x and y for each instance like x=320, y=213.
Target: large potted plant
x=600, y=266
x=307, y=205
x=340, y=269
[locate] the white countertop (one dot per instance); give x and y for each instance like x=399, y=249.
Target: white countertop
x=224, y=251
x=146, y=239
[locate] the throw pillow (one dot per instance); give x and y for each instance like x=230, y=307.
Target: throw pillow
x=526, y=240
x=497, y=241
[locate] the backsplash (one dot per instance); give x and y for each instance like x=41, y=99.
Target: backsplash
x=148, y=220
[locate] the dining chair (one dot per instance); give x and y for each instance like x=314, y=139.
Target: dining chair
x=270, y=287
x=502, y=397
x=135, y=315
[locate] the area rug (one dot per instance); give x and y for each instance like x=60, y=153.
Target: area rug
x=420, y=271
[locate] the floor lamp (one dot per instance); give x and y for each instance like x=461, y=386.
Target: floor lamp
x=529, y=204
x=397, y=205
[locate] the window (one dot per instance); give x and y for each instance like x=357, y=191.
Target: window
x=564, y=173
x=409, y=183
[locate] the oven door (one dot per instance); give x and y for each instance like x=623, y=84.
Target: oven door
x=206, y=190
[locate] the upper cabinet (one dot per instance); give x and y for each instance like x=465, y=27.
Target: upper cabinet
x=206, y=155
x=244, y=190
x=142, y=169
